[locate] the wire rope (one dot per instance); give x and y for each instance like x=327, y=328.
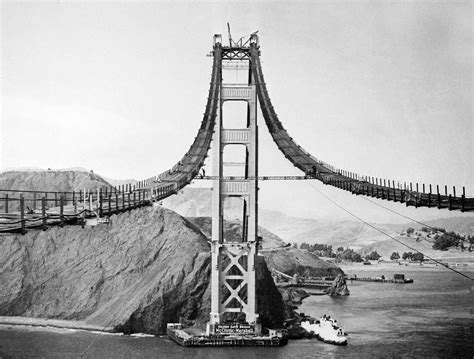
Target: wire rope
x=388, y=235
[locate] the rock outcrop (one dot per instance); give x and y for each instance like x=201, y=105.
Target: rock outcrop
x=145, y=268
x=338, y=287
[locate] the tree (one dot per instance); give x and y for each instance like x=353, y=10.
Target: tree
x=373, y=256
x=419, y=257
x=446, y=240
x=410, y=231
x=395, y=256
x=356, y=257
x=304, y=246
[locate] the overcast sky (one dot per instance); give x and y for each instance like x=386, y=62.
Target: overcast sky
x=379, y=88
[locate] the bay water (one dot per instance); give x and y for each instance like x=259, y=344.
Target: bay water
x=431, y=318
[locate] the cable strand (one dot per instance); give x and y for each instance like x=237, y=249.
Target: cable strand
x=388, y=235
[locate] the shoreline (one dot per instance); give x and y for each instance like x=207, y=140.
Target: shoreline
x=347, y=267
x=54, y=323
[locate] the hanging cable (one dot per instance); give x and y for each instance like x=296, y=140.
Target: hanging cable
x=357, y=237
x=388, y=235
x=97, y=337
x=411, y=219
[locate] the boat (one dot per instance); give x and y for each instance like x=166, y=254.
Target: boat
x=326, y=329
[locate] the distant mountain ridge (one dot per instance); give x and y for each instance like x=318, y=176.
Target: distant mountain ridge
x=110, y=181
x=49, y=180
x=197, y=202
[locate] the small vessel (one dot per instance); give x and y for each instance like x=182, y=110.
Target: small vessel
x=326, y=329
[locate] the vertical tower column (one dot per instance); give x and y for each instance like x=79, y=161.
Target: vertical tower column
x=252, y=207
x=216, y=235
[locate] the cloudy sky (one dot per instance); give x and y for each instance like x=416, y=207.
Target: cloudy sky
x=379, y=88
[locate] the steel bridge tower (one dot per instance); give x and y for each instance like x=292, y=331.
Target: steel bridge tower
x=233, y=277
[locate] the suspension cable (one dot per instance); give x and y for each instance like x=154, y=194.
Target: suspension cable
x=97, y=337
x=388, y=235
x=411, y=219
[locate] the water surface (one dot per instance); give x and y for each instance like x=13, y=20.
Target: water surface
x=432, y=318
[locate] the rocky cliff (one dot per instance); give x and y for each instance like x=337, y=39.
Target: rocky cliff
x=145, y=268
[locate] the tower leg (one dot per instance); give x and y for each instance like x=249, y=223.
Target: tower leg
x=215, y=284
x=251, y=313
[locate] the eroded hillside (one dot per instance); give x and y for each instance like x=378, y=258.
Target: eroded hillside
x=145, y=268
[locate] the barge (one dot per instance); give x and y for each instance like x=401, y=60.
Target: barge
x=177, y=334
x=397, y=278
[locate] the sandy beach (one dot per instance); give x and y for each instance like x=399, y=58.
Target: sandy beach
x=52, y=323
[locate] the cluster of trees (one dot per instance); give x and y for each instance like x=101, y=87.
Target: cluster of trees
x=443, y=240
x=321, y=250
x=451, y=239
x=373, y=256
x=348, y=255
x=340, y=254
x=416, y=257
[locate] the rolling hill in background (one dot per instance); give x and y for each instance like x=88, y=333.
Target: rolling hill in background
x=51, y=180
x=196, y=202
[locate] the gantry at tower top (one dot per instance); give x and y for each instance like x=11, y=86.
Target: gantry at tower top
x=236, y=50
